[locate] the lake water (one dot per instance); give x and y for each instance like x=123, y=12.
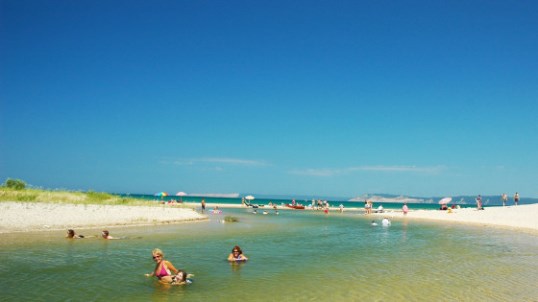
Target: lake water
x=294, y=256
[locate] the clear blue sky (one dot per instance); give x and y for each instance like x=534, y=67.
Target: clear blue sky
x=341, y=98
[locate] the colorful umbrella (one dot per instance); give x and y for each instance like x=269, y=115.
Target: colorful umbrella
x=161, y=194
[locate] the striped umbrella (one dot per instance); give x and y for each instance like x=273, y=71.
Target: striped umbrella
x=161, y=194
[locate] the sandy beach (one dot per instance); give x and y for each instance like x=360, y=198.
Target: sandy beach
x=33, y=216
x=522, y=217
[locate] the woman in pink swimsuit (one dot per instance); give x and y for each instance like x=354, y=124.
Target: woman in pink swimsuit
x=164, y=269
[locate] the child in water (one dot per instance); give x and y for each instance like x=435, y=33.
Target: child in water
x=182, y=278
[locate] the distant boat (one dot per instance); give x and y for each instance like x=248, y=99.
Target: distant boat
x=297, y=207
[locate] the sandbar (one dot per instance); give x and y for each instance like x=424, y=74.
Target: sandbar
x=36, y=216
x=522, y=217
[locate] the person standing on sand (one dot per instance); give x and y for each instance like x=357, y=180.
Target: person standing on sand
x=516, y=198
x=405, y=209
x=504, y=198
x=479, y=203
x=203, y=205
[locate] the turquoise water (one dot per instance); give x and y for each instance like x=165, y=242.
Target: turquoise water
x=294, y=256
x=261, y=201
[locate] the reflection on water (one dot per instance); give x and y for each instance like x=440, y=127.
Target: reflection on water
x=293, y=256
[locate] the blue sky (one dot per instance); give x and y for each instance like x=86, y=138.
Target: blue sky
x=423, y=98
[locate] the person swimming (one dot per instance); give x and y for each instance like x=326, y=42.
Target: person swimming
x=237, y=254
x=106, y=235
x=216, y=210
x=385, y=222
x=72, y=235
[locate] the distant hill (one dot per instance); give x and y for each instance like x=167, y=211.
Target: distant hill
x=458, y=199
x=389, y=198
x=216, y=195
x=296, y=197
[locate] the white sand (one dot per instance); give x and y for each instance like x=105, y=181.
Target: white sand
x=523, y=217
x=34, y=216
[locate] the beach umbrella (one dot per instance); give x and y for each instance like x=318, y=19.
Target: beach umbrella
x=445, y=200
x=161, y=194
x=181, y=194
x=249, y=197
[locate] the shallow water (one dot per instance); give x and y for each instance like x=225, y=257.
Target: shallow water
x=296, y=255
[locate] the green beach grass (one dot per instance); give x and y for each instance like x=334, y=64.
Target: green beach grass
x=68, y=197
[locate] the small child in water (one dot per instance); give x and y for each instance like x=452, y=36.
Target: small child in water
x=182, y=278
x=179, y=278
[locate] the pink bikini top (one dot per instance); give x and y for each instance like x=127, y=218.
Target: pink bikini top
x=163, y=272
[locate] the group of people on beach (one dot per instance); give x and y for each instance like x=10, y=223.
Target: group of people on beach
x=167, y=273
x=504, y=198
x=368, y=208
